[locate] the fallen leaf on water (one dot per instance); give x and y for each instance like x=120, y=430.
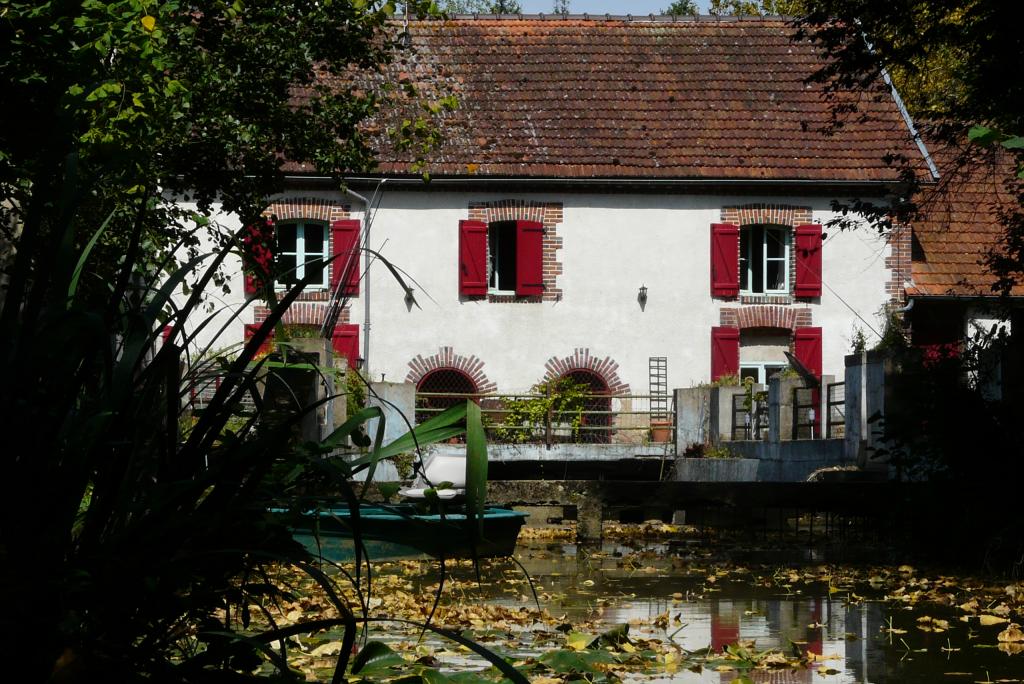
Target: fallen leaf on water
x=969, y=607
x=1001, y=610
x=330, y=648
x=1012, y=634
x=989, y=620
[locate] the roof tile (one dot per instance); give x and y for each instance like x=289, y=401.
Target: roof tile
x=635, y=99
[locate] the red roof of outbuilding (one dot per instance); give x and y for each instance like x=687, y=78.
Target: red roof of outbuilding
x=960, y=224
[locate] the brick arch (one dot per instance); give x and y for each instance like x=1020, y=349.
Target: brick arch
x=310, y=208
x=470, y=366
x=761, y=213
x=784, y=317
x=549, y=214
x=580, y=359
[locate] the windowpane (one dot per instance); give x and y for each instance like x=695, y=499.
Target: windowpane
x=314, y=239
x=776, y=243
x=286, y=268
x=501, y=242
x=771, y=371
x=776, y=271
x=286, y=238
x=753, y=373
x=757, y=261
x=315, y=271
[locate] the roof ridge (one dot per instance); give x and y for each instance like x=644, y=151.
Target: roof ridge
x=639, y=18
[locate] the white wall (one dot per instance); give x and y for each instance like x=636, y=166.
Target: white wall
x=225, y=330
x=612, y=244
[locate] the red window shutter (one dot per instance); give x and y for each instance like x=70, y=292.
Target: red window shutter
x=807, y=246
x=725, y=352
x=345, y=341
x=345, y=250
x=807, y=349
x=257, y=255
x=472, y=258
x=247, y=263
x=725, y=264
x=250, y=331
x=529, y=258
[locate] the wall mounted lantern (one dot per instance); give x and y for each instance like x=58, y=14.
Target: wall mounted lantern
x=642, y=297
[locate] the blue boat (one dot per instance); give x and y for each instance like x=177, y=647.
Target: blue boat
x=408, y=530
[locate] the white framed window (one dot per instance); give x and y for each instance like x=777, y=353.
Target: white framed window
x=501, y=258
x=760, y=373
x=764, y=259
x=301, y=250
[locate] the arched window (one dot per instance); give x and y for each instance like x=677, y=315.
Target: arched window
x=441, y=389
x=597, y=417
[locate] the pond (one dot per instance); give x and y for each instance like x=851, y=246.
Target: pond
x=697, y=614
x=860, y=635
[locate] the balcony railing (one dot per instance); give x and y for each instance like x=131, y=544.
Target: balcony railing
x=533, y=418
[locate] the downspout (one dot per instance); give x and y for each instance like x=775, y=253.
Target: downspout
x=367, y=222
x=366, y=274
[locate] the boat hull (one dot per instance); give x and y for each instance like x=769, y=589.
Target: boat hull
x=401, y=531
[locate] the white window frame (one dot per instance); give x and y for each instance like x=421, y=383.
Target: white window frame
x=747, y=259
x=302, y=257
x=762, y=369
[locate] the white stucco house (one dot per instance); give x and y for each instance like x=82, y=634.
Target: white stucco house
x=609, y=191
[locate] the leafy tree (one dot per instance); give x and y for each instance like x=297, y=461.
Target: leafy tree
x=482, y=6
x=140, y=532
x=561, y=7
x=953, y=60
x=199, y=98
x=790, y=8
x=682, y=7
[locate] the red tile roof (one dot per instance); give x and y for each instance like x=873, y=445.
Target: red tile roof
x=699, y=99
x=960, y=225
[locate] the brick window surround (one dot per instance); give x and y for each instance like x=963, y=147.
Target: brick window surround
x=581, y=359
x=309, y=209
x=309, y=308
x=769, y=214
x=549, y=214
x=770, y=317
x=766, y=317
x=446, y=357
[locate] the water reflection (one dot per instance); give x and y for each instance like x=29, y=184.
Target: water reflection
x=613, y=586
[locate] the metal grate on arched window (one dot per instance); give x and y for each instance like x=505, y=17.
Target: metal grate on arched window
x=597, y=418
x=441, y=389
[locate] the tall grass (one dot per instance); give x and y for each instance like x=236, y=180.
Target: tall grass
x=131, y=548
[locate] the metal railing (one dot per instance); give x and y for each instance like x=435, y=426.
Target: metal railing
x=749, y=417
x=533, y=418
x=835, y=410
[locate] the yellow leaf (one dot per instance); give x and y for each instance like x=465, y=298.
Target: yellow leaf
x=148, y=22
x=988, y=620
x=1011, y=634
x=578, y=641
